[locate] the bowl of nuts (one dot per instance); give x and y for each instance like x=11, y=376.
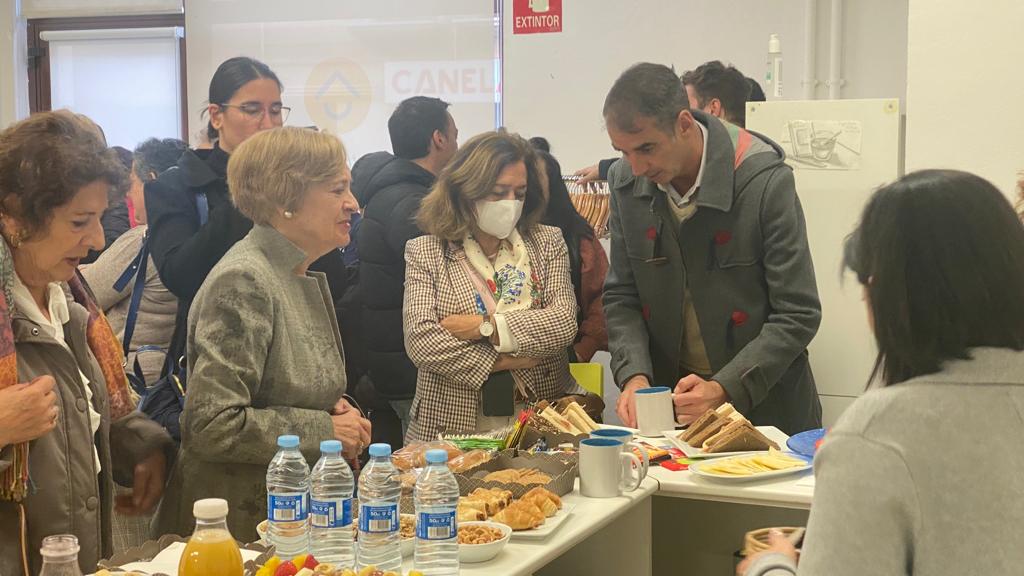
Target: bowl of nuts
x=481, y=541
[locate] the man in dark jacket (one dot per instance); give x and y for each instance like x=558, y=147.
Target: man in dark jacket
x=390, y=189
x=711, y=289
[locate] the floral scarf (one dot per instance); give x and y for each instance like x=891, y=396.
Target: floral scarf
x=102, y=341
x=510, y=278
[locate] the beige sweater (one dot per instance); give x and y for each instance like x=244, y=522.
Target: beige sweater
x=923, y=478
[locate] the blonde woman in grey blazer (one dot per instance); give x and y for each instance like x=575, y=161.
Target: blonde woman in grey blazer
x=487, y=292
x=923, y=475
x=265, y=354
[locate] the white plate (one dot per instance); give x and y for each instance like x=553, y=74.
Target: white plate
x=697, y=470
x=771, y=432
x=547, y=528
x=614, y=427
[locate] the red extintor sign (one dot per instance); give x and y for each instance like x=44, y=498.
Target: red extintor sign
x=536, y=16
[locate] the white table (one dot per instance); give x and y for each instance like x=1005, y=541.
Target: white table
x=698, y=524
x=601, y=536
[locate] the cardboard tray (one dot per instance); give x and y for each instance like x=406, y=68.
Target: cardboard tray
x=151, y=548
x=531, y=436
x=562, y=468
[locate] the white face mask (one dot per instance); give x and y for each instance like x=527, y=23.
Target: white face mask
x=498, y=218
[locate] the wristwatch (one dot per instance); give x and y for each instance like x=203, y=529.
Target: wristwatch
x=486, y=328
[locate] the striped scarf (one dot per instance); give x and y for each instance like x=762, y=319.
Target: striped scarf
x=103, y=343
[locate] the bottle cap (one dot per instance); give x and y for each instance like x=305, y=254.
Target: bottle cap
x=330, y=446
x=288, y=441
x=437, y=456
x=210, y=509
x=380, y=450
x=60, y=545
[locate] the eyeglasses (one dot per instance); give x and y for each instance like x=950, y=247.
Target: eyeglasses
x=255, y=112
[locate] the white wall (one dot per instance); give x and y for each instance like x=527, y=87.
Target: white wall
x=555, y=84
x=965, y=87
x=13, y=67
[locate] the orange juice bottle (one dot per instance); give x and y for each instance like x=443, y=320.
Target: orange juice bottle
x=211, y=551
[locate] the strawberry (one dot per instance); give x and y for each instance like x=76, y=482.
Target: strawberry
x=310, y=562
x=286, y=569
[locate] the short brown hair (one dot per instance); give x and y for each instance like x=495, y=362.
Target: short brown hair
x=46, y=159
x=449, y=210
x=716, y=80
x=645, y=90
x=274, y=169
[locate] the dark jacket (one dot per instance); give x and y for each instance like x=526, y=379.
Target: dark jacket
x=745, y=259
x=184, y=252
x=115, y=222
x=390, y=190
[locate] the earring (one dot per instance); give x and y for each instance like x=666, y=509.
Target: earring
x=289, y=214
x=16, y=239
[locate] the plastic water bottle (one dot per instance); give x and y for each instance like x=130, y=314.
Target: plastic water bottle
x=330, y=520
x=379, y=494
x=437, y=496
x=288, y=499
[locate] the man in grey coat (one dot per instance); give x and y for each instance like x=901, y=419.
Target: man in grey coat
x=711, y=289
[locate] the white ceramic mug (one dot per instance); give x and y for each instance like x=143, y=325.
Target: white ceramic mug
x=654, y=411
x=626, y=437
x=603, y=465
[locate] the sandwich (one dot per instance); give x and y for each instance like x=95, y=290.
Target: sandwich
x=576, y=416
x=738, y=436
x=709, y=424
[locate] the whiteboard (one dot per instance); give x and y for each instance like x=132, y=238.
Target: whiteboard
x=841, y=151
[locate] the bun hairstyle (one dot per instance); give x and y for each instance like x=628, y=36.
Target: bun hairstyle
x=229, y=78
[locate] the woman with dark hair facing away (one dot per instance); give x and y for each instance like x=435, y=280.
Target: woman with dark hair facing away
x=922, y=474
x=588, y=263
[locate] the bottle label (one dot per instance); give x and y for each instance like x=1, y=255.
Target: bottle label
x=378, y=519
x=287, y=507
x=336, y=513
x=436, y=525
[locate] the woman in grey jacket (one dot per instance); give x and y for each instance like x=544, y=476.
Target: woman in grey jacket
x=265, y=353
x=68, y=427
x=922, y=475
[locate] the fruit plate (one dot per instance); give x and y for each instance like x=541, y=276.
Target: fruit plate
x=546, y=529
x=771, y=432
x=697, y=469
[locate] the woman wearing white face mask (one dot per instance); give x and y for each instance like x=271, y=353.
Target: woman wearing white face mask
x=489, y=306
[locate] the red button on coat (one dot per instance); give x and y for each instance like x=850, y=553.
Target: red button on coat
x=723, y=237
x=739, y=318
x=646, y=311
x=652, y=233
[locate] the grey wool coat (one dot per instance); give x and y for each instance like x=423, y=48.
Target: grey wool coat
x=745, y=259
x=265, y=359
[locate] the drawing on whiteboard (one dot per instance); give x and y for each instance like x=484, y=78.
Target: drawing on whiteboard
x=823, y=144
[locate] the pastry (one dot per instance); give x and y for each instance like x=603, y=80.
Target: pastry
x=546, y=494
x=541, y=502
x=469, y=514
x=520, y=516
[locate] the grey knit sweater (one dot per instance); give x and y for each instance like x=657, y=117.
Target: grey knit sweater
x=922, y=478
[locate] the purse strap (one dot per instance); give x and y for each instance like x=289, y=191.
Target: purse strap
x=136, y=270
x=485, y=294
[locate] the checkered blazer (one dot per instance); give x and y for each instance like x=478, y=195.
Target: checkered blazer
x=451, y=371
